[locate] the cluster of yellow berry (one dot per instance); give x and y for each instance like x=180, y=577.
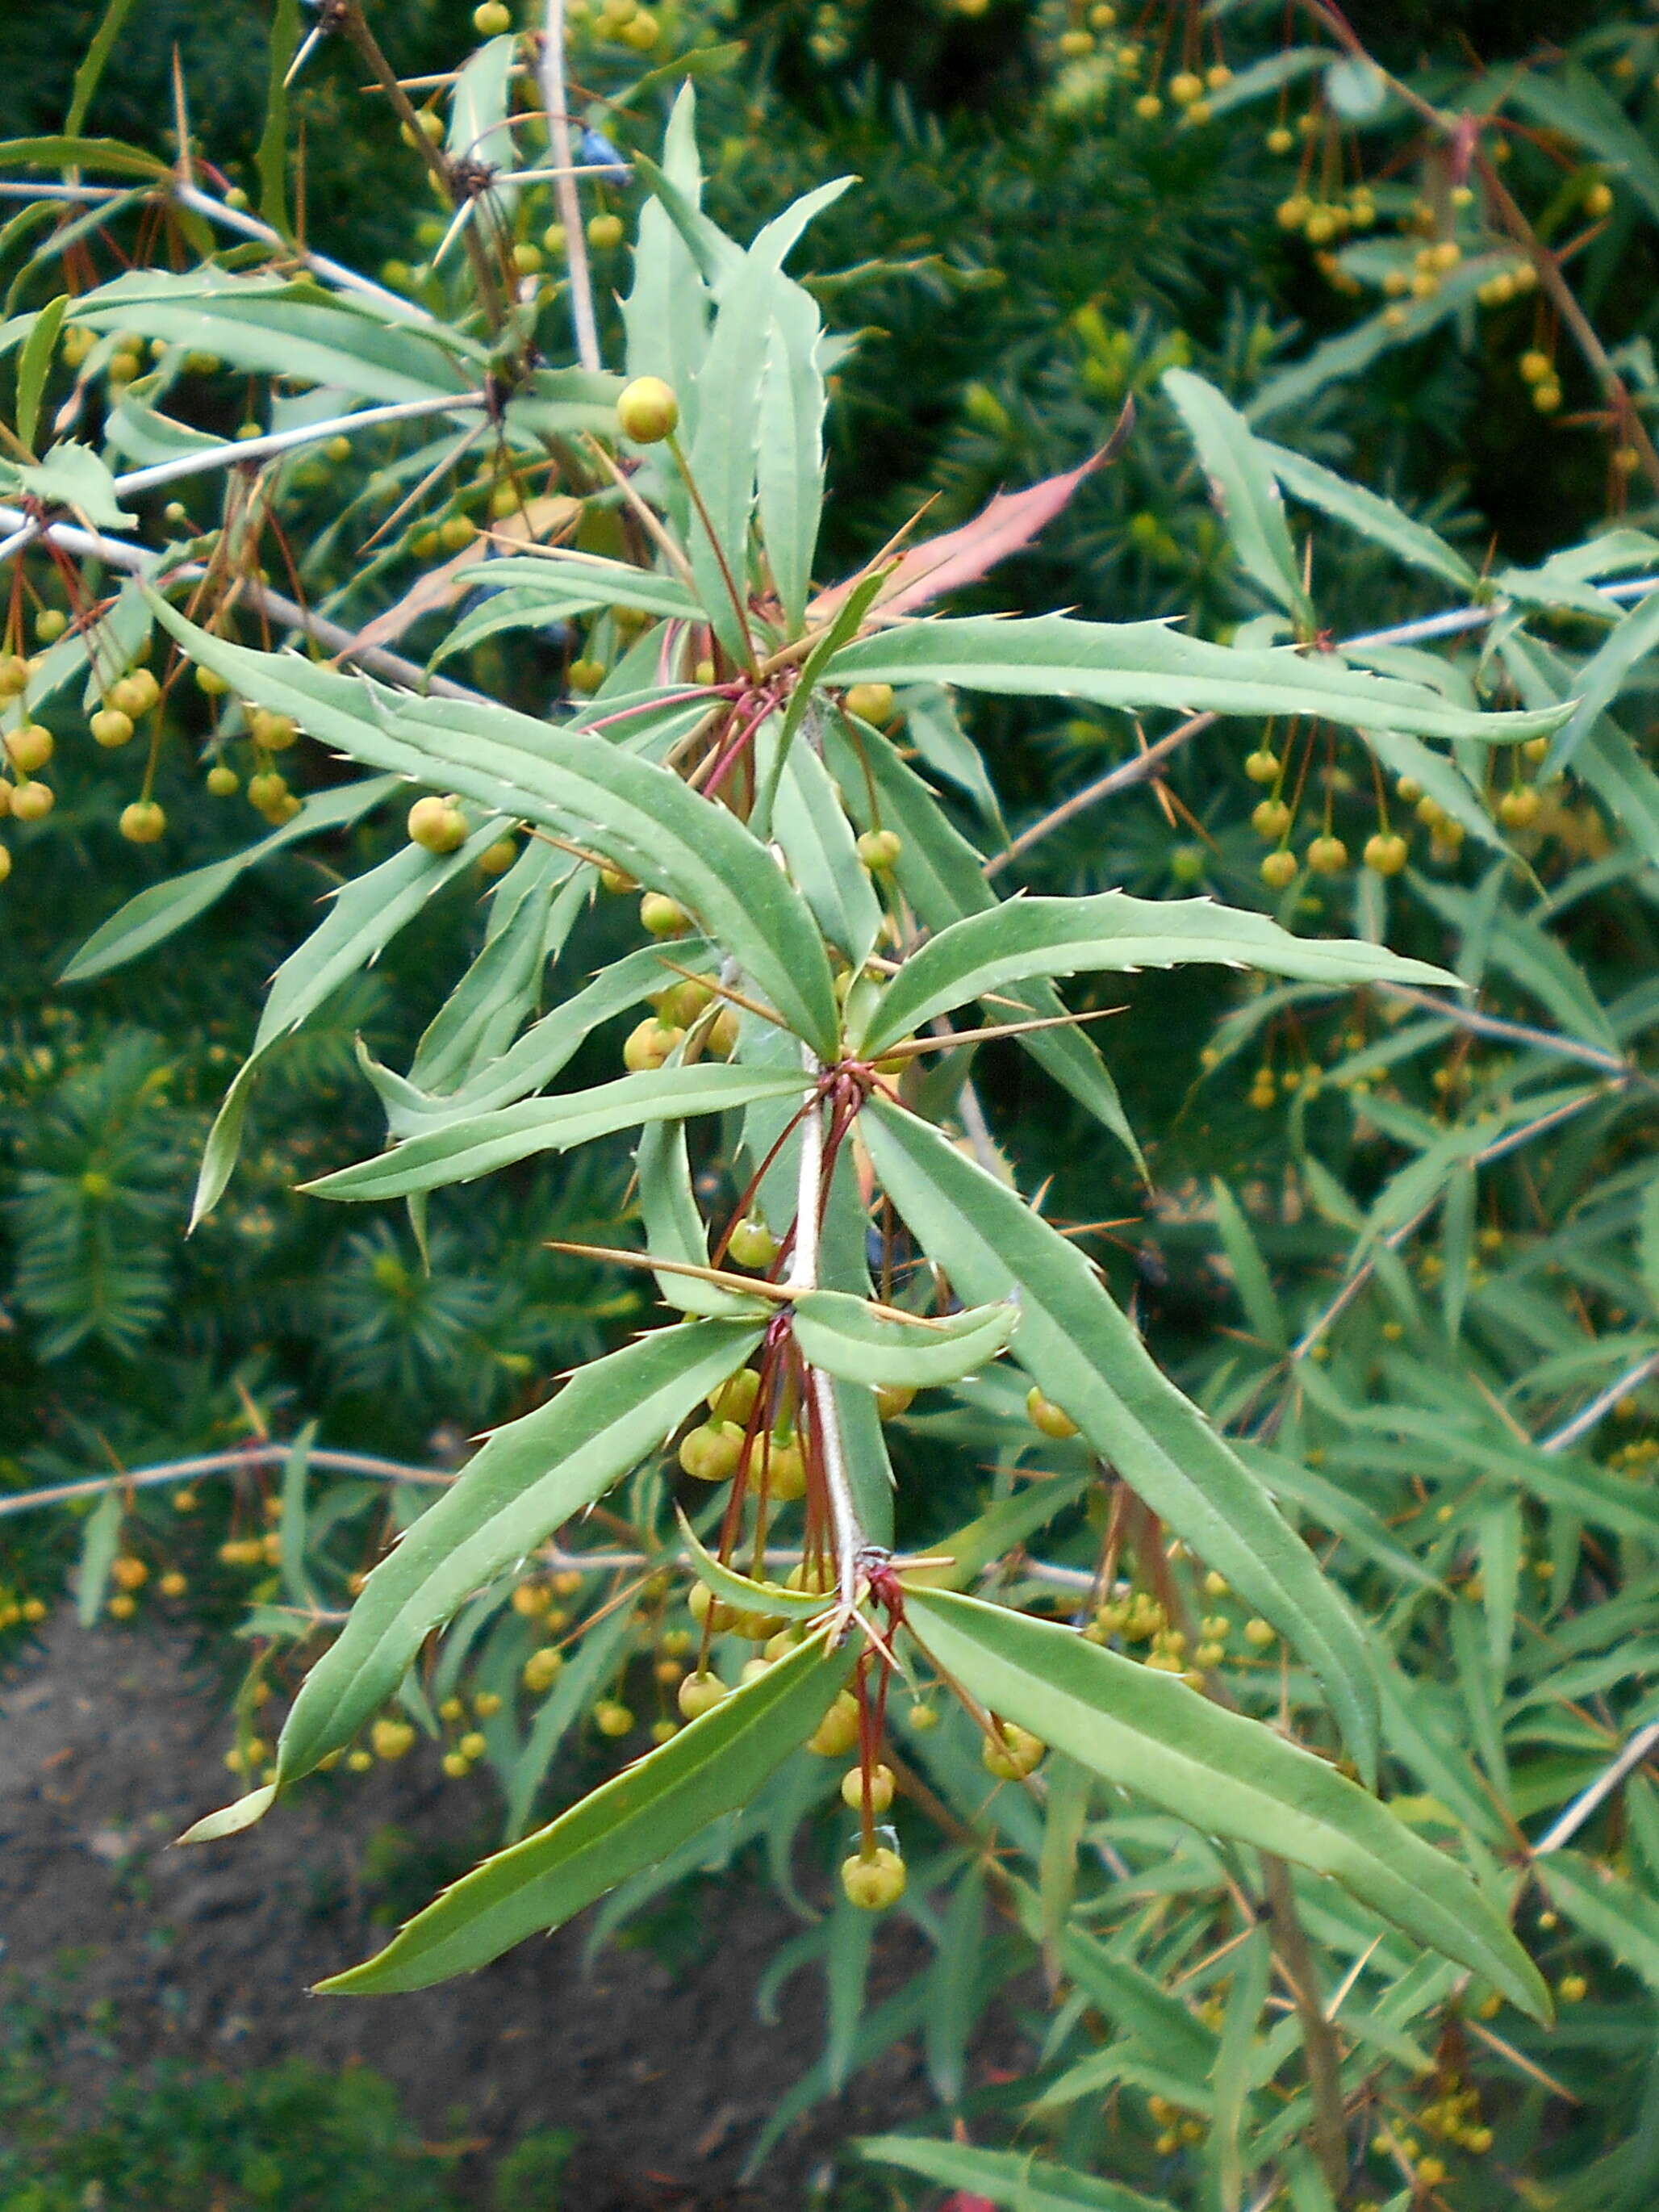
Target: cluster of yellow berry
x=1175, y=2127
x=130, y=1574
x=1454, y=2117
x=466, y=1742
x=618, y=22
x=16, y=1610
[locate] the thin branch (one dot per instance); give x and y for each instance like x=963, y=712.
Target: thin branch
x=555, y=99
x=1120, y=779
x=1640, y=1745
x=1518, y=1033
x=1583, y=1423
x=236, y=453
x=1290, y=1941
x=320, y=265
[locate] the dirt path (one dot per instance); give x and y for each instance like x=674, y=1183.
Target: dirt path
x=109, y=1745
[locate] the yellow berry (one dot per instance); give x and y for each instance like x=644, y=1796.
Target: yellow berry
x=275, y=733
x=33, y=802
x=1185, y=87
x=526, y=260
x=605, y=231
x=881, y=1789
x=1385, y=853
x=223, y=779
x=1572, y=1989
x=613, y=1718
x=874, y=1883
x=1075, y=44
x=1281, y=140
x=1520, y=807
x=923, y=1717
x=14, y=672
x=50, y=625
x=649, y=410
x=496, y=859
x=1047, y=1418
x=1278, y=870
x=735, y=1399
x=211, y=684
x=663, y=916
x=711, y=1452
x=1327, y=856
x=456, y=1764
x=785, y=1470
x=872, y=702
x=1013, y=1753
x=838, y=1731
x=1270, y=818
x=111, y=729
x=135, y=693
x=1534, y=367
x=1598, y=200
x=142, y=822
x=649, y=1045
x=541, y=1669
x=893, y=1398
x=751, y=1244
x=173, y=1583
x=700, y=1693
x=1149, y=108
x=31, y=747
x=472, y=1745
x=1260, y=1633
x=879, y=850
x=391, y=1739
x=436, y=825
x=456, y=532
x=1261, y=766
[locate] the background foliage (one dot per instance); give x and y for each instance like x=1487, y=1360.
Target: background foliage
x=1048, y=254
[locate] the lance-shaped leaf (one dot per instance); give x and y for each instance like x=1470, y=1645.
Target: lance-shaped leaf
x=534, y=1059
x=274, y=327
x=1229, y=1776
x=1018, y=2178
x=459, y=1151
x=1083, y=1354
x=673, y=1223
x=1149, y=664
x=849, y=1338
x=152, y=917
x=789, y=459
x=1049, y=937
x=525, y=593
x=742, y=1591
x=1242, y=486
x=649, y=1809
x=1369, y=513
x=573, y=781
x=530, y=1476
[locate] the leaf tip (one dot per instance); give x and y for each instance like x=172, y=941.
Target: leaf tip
x=231, y=1819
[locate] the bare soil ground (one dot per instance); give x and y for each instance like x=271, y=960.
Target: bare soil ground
x=111, y=1742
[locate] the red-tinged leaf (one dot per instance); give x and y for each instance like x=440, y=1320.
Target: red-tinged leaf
x=962, y=557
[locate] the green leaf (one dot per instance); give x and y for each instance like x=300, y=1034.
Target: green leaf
x=1369, y=513
x=673, y=1223
x=742, y=1591
x=953, y=2015
x=1111, y=932
x=725, y=445
x=366, y=914
x=845, y=1337
x=638, y=1817
x=461, y=1151
x=71, y=151
x=1250, y=1270
x=1082, y=1352
x=667, y=314
x=1621, y=1917
x=74, y=476
x=94, y=62
x=1241, y=485
x=1227, y=1775
x=1138, y=665
x=530, y=1477
x=1019, y=2179
x=991, y=1535
x=99, y=1541
x=1601, y=679
x=153, y=916
x=525, y=593
x=573, y=781
x=1230, y=2078
x=933, y=727
x=34, y=365
x=1568, y=99
x=271, y=155
x=810, y=825
x=789, y=465
x=271, y=326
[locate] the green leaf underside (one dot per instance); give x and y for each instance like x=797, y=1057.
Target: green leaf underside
x=710, y=1767
x=1150, y=664
x=1242, y=486
x=1026, y=937
x=529, y=1478
x=153, y=916
x=842, y=1335
x=740, y=1590
x=460, y=1152
x=1228, y=1776
x=573, y=781
x=1082, y=1352
x=1018, y=2179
